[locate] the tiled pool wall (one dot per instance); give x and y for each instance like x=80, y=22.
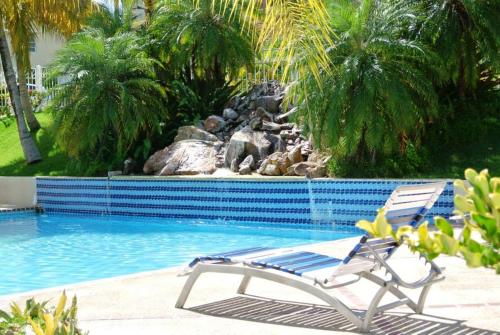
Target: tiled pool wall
x=35, y=209
x=299, y=202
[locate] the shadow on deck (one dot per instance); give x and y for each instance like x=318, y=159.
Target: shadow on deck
x=251, y=308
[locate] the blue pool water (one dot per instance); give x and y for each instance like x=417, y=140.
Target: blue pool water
x=39, y=251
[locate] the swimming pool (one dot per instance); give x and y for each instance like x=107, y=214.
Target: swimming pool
x=41, y=251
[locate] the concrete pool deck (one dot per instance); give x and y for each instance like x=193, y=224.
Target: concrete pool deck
x=466, y=302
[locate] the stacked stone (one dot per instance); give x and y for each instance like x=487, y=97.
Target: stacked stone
x=252, y=134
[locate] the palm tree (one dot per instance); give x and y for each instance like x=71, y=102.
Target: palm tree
x=467, y=35
x=22, y=19
x=111, y=101
x=30, y=149
x=294, y=35
x=20, y=24
x=110, y=22
x=202, y=51
x=201, y=41
x=378, y=94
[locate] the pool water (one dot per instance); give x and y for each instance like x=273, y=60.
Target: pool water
x=40, y=251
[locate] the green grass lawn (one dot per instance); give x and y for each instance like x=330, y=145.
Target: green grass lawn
x=12, y=160
x=447, y=162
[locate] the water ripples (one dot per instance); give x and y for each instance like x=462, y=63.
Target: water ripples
x=40, y=251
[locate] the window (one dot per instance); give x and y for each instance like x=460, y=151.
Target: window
x=32, y=46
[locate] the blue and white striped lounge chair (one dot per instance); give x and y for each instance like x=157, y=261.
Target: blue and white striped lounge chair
x=315, y=273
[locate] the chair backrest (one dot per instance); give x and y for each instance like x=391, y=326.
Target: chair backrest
x=407, y=205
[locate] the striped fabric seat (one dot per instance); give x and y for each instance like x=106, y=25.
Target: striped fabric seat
x=298, y=263
x=231, y=256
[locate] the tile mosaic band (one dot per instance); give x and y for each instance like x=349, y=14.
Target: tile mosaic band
x=299, y=202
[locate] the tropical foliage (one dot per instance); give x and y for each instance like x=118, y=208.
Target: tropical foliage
x=111, y=22
x=373, y=77
x=378, y=95
x=380, y=85
x=465, y=34
x=111, y=100
x=40, y=319
x=199, y=40
x=478, y=204
x=24, y=19
x=203, y=50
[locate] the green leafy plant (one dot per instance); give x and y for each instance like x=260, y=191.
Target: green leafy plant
x=202, y=49
x=111, y=100
x=478, y=203
x=378, y=96
x=42, y=320
x=201, y=41
x=5, y=116
x=466, y=34
x=196, y=99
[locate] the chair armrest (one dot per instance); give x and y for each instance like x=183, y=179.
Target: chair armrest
x=434, y=275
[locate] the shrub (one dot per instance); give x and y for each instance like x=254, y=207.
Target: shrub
x=111, y=100
x=41, y=320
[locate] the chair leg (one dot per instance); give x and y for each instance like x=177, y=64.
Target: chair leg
x=372, y=308
x=275, y=277
x=244, y=284
x=193, y=277
x=422, y=298
x=393, y=290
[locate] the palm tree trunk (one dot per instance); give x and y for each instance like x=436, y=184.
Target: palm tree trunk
x=33, y=123
x=30, y=150
x=148, y=9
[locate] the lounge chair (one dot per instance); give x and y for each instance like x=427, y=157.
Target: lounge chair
x=315, y=273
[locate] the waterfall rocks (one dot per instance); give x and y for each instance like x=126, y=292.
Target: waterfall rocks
x=247, y=165
x=194, y=133
x=214, y=124
x=186, y=157
x=230, y=114
x=252, y=135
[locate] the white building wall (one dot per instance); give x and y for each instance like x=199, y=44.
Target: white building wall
x=17, y=191
x=46, y=46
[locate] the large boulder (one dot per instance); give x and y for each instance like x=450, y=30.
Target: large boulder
x=279, y=159
x=155, y=162
x=188, y=157
x=295, y=155
x=271, y=170
x=214, y=124
x=269, y=167
x=194, y=133
x=300, y=169
x=246, y=142
x=318, y=171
